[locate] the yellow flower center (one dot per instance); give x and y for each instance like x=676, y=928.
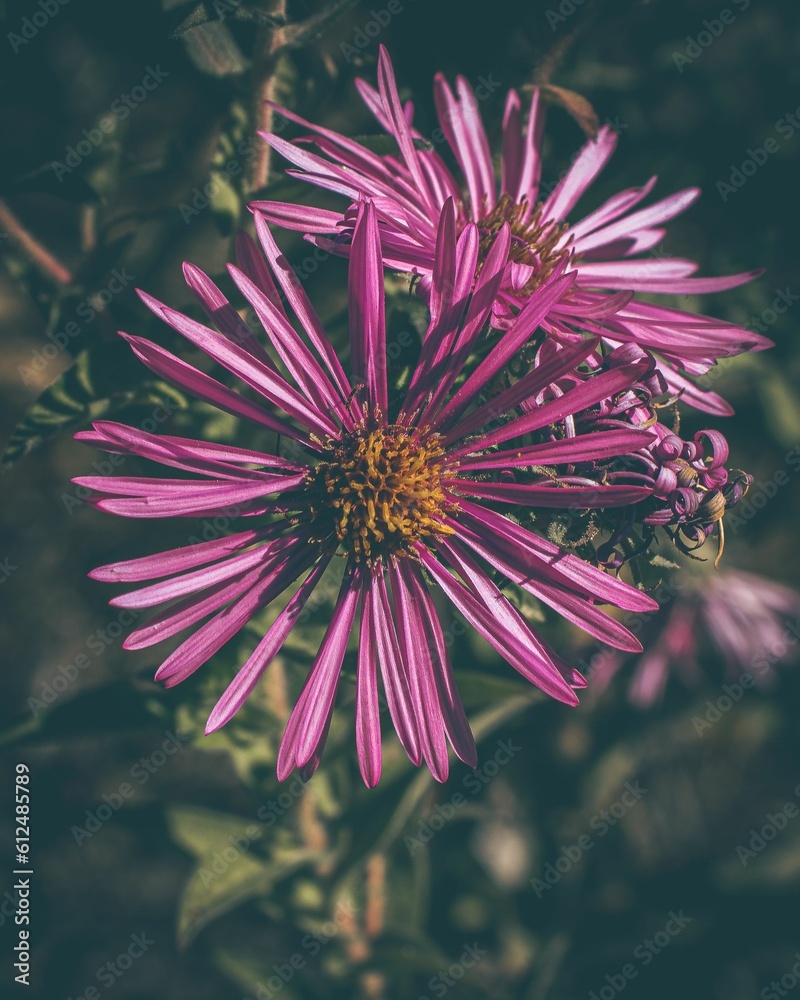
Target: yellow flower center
x=382, y=489
x=533, y=239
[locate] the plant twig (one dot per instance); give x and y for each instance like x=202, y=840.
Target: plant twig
x=41, y=257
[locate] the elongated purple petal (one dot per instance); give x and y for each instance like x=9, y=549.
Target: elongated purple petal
x=241, y=687
x=417, y=654
x=249, y=369
x=518, y=645
x=545, y=495
x=177, y=560
x=311, y=715
x=298, y=300
x=368, y=718
x=583, y=396
x=587, y=165
x=211, y=637
x=394, y=673
x=543, y=557
x=584, y=448
x=208, y=389
x=199, y=579
x=367, y=309
x=455, y=719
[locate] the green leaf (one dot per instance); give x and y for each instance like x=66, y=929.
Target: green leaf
x=203, y=831
x=208, y=895
x=478, y=689
x=229, y=872
x=210, y=44
x=102, y=381
x=121, y=706
x=314, y=27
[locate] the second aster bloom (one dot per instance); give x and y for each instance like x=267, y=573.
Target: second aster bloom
x=611, y=250
x=407, y=491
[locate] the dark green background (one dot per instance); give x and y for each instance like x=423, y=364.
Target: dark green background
x=676, y=850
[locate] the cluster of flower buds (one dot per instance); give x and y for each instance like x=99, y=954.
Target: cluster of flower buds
x=692, y=487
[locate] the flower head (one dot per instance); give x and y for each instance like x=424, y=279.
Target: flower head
x=611, y=252
x=409, y=491
x=750, y=621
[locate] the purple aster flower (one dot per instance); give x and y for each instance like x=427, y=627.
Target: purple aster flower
x=611, y=251
x=751, y=621
x=410, y=492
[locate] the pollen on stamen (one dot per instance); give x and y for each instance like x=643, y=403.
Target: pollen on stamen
x=381, y=491
x=534, y=240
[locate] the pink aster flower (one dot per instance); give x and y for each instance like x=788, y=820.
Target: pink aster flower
x=752, y=622
x=410, y=492
x=611, y=251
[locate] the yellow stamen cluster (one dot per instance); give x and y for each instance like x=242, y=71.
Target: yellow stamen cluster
x=533, y=239
x=382, y=488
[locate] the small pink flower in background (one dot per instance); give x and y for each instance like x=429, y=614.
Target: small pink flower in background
x=405, y=490
x=751, y=622
x=611, y=251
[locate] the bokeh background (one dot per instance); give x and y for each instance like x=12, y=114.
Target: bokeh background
x=413, y=890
